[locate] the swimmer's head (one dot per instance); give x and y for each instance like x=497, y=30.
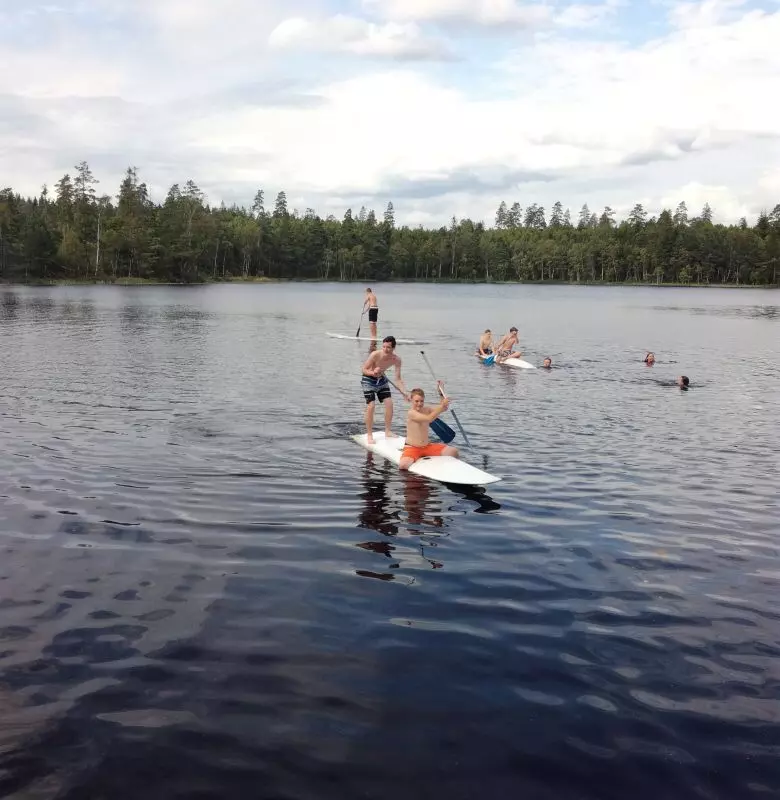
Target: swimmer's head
x=683, y=382
x=650, y=358
x=513, y=329
x=487, y=330
x=547, y=363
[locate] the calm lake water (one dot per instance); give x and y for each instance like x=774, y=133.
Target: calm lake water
x=207, y=590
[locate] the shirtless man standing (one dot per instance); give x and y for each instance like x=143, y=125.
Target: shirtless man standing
x=418, y=422
x=504, y=347
x=375, y=385
x=485, y=346
x=372, y=304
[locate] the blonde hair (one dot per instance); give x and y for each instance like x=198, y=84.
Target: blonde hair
x=417, y=391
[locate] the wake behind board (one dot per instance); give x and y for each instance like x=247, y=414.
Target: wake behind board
x=374, y=338
x=512, y=362
x=446, y=469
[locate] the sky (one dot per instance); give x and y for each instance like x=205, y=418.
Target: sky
x=443, y=107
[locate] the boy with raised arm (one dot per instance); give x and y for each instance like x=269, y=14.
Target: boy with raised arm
x=418, y=421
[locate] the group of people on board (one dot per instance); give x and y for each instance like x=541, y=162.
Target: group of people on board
x=376, y=387
x=504, y=349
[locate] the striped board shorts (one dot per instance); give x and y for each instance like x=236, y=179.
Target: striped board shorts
x=375, y=388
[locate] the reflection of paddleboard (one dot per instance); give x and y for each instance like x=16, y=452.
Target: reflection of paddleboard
x=446, y=469
x=511, y=362
x=376, y=338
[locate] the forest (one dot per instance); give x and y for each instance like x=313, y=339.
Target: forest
x=75, y=234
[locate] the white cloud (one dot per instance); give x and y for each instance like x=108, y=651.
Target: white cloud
x=706, y=13
x=249, y=94
x=480, y=12
x=580, y=15
x=401, y=41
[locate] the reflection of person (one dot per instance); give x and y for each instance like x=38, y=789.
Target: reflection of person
x=381, y=513
x=417, y=494
x=418, y=422
x=376, y=514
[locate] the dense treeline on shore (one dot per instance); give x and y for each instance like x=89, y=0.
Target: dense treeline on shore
x=76, y=234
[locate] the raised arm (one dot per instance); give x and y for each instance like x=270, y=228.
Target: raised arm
x=431, y=414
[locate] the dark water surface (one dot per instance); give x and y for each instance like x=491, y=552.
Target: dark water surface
x=207, y=590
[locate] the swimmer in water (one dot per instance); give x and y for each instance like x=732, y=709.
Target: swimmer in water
x=650, y=359
x=683, y=382
x=547, y=363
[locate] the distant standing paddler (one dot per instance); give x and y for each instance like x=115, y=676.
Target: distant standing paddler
x=372, y=304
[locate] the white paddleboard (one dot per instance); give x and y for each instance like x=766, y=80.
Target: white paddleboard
x=511, y=362
x=517, y=362
x=374, y=338
x=446, y=469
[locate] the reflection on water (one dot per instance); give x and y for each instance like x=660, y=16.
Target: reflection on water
x=186, y=529
x=749, y=312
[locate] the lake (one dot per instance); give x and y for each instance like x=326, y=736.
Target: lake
x=208, y=590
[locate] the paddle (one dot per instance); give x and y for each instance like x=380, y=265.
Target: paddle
x=361, y=322
x=438, y=426
x=441, y=392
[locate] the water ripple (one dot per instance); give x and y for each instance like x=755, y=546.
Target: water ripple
x=207, y=590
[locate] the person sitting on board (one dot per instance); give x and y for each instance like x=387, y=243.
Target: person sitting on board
x=418, y=421
x=485, y=346
x=650, y=359
x=683, y=382
x=503, y=349
x=376, y=387
x=372, y=304
x=547, y=363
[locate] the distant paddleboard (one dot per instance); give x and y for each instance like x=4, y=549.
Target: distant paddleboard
x=517, y=362
x=511, y=362
x=446, y=469
x=374, y=338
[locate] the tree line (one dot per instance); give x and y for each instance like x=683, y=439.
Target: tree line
x=76, y=234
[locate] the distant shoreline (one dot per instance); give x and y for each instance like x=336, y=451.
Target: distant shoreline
x=151, y=282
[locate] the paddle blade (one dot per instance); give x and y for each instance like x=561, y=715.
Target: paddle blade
x=490, y=359
x=443, y=430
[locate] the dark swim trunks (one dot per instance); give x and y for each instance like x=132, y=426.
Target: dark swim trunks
x=373, y=314
x=375, y=386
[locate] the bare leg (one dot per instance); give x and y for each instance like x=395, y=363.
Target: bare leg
x=388, y=404
x=405, y=463
x=450, y=451
x=369, y=417
x=373, y=329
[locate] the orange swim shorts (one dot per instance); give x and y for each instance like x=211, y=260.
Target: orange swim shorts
x=430, y=449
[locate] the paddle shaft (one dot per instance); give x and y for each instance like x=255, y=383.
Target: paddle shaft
x=441, y=392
